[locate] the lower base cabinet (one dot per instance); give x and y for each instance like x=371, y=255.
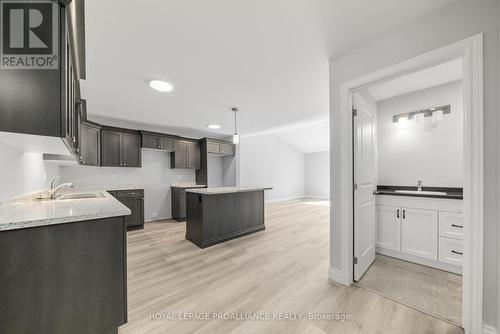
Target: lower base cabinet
x=134, y=200
x=429, y=236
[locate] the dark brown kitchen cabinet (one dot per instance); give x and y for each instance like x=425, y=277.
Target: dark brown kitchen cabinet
x=42, y=101
x=120, y=148
x=179, y=201
x=157, y=141
x=186, y=155
x=220, y=147
x=134, y=200
x=89, y=142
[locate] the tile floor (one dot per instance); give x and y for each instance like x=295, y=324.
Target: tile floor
x=427, y=289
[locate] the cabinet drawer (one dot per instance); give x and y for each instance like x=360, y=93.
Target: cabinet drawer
x=451, y=251
x=129, y=193
x=451, y=224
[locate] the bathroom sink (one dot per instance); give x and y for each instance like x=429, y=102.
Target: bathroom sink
x=421, y=192
x=81, y=196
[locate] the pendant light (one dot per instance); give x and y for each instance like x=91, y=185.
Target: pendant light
x=236, y=137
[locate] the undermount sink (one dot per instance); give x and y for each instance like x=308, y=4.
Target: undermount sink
x=421, y=192
x=81, y=196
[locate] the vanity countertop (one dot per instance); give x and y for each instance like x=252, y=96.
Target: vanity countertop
x=25, y=212
x=451, y=193
x=226, y=190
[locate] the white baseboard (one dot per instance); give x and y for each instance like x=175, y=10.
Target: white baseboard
x=487, y=329
x=156, y=219
x=336, y=275
x=283, y=199
x=317, y=197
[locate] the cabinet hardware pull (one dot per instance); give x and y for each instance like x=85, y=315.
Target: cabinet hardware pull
x=457, y=226
x=459, y=253
x=404, y=214
x=397, y=214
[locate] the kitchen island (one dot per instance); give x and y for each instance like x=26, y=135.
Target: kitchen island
x=64, y=264
x=215, y=215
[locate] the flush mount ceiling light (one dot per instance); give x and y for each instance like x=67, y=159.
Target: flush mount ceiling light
x=161, y=86
x=236, y=137
x=213, y=126
x=436, y=113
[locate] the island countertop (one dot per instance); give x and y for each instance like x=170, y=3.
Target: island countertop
x=226, y=190
x=19, y=214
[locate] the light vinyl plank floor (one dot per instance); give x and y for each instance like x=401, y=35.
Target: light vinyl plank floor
x=281, y=269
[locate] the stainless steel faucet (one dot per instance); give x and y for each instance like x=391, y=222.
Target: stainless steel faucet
x=53, y=182
x=419, y=185
x=53, y=192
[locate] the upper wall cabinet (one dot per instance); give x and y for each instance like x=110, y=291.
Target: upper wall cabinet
x=186, y=155
x=157, y=141
x=220, y=147
x=88, y=139
x=39, y=85
x=120, y=147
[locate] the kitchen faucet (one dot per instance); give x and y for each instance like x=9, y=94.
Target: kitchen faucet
x=53, y=192
x=53, y=182
x=419, y=185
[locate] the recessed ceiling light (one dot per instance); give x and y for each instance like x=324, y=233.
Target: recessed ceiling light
x=213, y=126
x=161, y=86
x=309, y=141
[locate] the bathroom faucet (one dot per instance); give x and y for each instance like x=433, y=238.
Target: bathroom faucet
x=419, y=185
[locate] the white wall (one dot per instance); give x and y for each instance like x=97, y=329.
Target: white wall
x=317, y=175
x=460, y=20
x=154, y=177
x=269, y=161
x=431, y=152
x=23, y=172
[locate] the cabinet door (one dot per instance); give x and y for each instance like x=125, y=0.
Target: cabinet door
x=110, y=148
x=130, y=150
x=227, y=149
x=388, y=234
x=89, y=142
x=419, y=231
x=194, y=155
x=136, y=207
x=150, y=142
x=213, y=147
x=180, y=155
x=165, y=143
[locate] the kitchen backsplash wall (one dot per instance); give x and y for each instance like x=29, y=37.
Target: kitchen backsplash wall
x=23, y=172
x=154, y=177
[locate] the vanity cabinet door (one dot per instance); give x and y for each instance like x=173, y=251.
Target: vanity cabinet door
x=419, y=233
x=388, y=233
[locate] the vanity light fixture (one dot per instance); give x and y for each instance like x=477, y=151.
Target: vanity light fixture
x=161, y=86
x=213, y=126
x=236, y=136
x=418, y=116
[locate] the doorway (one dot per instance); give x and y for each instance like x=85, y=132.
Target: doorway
x=470, y=51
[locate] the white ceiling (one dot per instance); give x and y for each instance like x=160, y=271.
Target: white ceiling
x=431, y=77
x=269, y=58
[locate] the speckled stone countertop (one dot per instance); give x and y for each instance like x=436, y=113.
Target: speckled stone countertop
x=225, y=190
x=24, y=212
x=187, y=185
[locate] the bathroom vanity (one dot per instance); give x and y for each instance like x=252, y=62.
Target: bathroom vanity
x=422, y=228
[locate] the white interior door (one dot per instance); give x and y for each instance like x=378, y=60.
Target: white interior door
x=364, y=122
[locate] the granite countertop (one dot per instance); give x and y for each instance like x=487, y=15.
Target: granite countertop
x=187, y=185
x=24, y=212
x=451, y=193
x=226, y=190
